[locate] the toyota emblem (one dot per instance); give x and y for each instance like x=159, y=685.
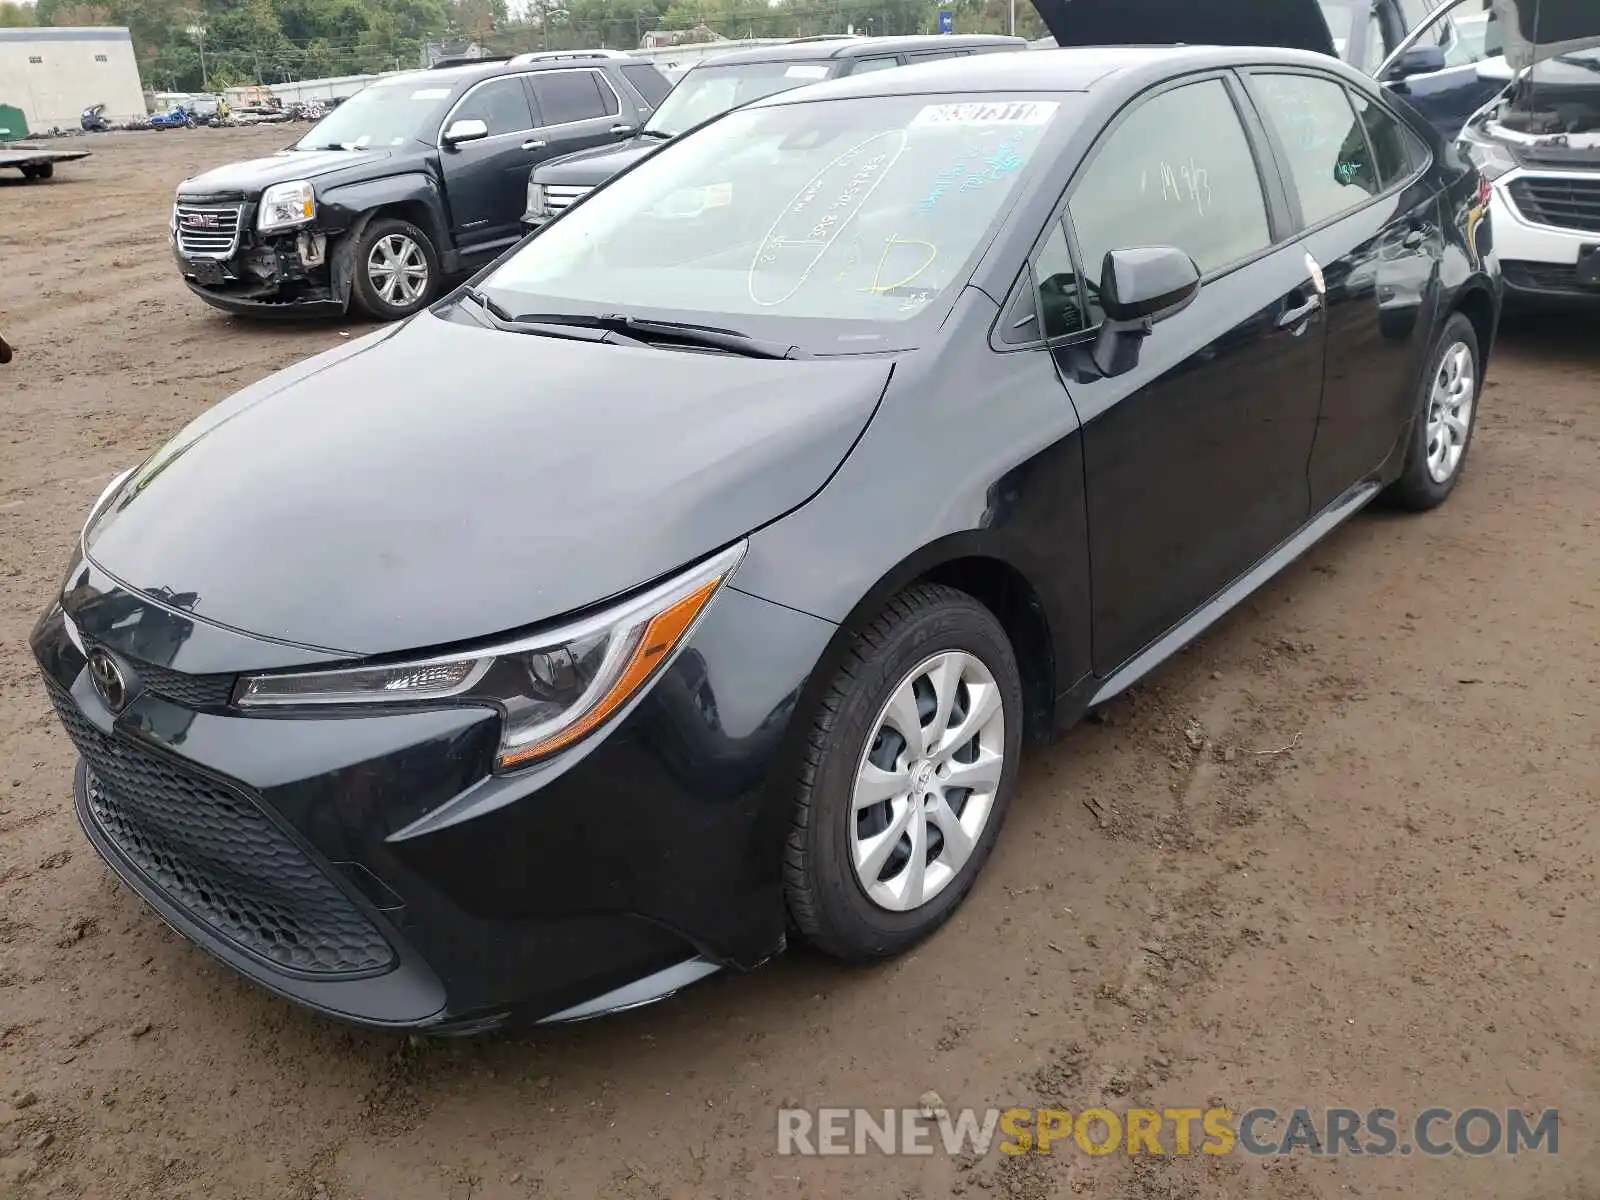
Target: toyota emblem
x=108, y=679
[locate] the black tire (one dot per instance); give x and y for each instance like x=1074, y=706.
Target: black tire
x=827, y=902
x=39, y=171
x=366, y=292
x=1417, y=490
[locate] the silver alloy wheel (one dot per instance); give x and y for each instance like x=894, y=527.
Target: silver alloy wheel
x=927, y=780
x=1450, y=411
x=398, y=270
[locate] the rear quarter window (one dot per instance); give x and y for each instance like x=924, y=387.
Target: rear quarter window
x=648, y=82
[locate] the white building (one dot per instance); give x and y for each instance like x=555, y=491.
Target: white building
x=52, y=75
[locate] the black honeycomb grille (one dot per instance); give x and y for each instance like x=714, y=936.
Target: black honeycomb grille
x=212, y=851
x=191, y=691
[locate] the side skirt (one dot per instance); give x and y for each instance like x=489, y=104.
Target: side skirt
x=1223, y=602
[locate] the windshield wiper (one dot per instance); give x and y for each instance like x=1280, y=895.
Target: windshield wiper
x=729, y=341
x=656, y=133
x=577, y=332
x=1573, y=60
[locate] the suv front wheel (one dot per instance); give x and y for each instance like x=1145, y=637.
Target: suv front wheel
x=396, y=269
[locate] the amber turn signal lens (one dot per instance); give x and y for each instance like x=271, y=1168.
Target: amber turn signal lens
x=661, y=635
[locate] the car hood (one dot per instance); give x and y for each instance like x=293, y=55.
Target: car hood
x=1534, y=30
x=384, y=497
x=1296, y=24
x=251, y=177
x=594, y=166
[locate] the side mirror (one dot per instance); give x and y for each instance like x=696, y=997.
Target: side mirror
x=1139, y=287
x=465, y=131
x=1419, y=60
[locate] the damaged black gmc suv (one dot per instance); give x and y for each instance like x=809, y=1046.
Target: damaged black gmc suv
x=416, y=178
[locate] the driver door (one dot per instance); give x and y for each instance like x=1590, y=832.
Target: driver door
x=486, y=181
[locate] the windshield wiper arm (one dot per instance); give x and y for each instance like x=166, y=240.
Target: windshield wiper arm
x=1573, y=60
x=577, y=331
x=728, y=340
x=656, y=133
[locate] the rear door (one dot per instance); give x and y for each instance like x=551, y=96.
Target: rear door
x=486, y=182
x=1195, y=461
x=1363, y=194
x=578, y=108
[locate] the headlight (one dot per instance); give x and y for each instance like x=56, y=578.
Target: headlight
x=1492, y=159
x=285, y=205
x=553, y=689
x=536, y=204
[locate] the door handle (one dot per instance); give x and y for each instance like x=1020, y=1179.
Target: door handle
x=622, y=129
x=535, y=144
x=1294, y=316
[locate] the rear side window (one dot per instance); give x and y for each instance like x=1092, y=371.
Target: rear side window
x=648, y=82
x=501, y=104
x=1324, y=144
x=1177, y=172
x=874, y=64
x=1396, y=151
x=568, y=96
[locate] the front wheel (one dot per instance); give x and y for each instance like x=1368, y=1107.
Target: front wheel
x=1447, y=412
x=396, y=269
x=39, y=171
x=908, y=772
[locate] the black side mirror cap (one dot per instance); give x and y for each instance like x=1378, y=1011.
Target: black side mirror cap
x=1419, y=60
x=1140, y=286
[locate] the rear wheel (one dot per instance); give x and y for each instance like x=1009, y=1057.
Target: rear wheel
x=396, y=269
x=907, y=776
x=39, y=171
x=1447, y=411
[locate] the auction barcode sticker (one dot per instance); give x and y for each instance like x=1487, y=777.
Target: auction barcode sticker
x=1015, y=112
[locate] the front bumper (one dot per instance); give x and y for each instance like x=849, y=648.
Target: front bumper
x=231, y=266
x=374, y=869
x=1541, y=261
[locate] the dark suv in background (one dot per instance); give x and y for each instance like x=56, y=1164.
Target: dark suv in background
x=414, y=179
x=729, y=80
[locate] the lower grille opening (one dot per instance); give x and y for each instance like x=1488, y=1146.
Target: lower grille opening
x=212, y=851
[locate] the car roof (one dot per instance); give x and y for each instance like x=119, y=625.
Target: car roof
x=863, y=47
x=1078, y=69
x=473, y=72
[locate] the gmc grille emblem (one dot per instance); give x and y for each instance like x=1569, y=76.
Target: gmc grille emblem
x=202, y=221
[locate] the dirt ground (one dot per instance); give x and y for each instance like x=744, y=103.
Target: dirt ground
x=1340, y=854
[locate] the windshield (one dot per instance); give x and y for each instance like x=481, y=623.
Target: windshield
x=709, y=91
x=834, y=221
x=381, y=114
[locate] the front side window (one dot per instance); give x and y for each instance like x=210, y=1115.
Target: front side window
x=501, y=104
x=833, y=223
x=710, y=91
x=1177, y=172
x=1329, y=162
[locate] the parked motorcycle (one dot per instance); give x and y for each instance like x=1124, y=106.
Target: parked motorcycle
x=176, y=118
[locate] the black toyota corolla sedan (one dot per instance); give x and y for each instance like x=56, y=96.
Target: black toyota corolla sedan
x=691, y=581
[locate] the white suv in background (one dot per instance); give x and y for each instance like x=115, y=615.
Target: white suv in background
x=1539, y=145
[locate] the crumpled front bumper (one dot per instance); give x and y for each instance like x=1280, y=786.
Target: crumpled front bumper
x=287, y=274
